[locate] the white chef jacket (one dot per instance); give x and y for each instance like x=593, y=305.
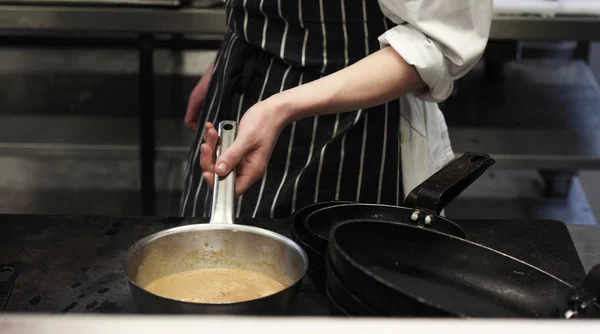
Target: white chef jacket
x=443, y=39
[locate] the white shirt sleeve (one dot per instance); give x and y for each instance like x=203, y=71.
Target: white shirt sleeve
x=443, y=39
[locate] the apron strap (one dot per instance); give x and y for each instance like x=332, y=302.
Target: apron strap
x=245, y=61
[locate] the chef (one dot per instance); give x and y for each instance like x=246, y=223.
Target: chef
x=335, y=99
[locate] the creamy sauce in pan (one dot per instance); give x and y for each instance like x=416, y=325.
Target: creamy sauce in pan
x=214, y=286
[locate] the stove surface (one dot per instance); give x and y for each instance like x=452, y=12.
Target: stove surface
x=73, y=263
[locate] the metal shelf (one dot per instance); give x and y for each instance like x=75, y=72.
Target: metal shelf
x=112, y=19
x=532, y=148
x=94, y=3
x=212, y=21
x=544, y=115
x=578, y=28
x=86, y=137
x=113, y=138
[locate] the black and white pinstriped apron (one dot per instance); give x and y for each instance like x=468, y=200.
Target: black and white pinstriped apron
x=273, y=45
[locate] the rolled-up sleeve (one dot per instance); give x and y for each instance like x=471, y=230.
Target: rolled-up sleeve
x=443, y=39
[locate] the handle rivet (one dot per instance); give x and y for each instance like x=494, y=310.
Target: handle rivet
x=428, y=220
x=569, y=314
x=415, y=216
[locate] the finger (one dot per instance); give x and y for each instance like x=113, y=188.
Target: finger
x=242, y=184
x=207, y=128
x=190, y=124
x=209, y=178
x=193, y=110
x=191, y=114
x=197, y=96
x=248, y=174
x=232, y=156
x=207, y=158
x=212, y=137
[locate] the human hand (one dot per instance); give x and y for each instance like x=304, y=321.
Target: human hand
x=196, y=99
x=257, y=134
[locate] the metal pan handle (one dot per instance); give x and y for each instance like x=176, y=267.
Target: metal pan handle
x=446, y=184
x=7, y=284
x=224, y=187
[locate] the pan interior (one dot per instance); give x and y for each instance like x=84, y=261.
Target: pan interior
x=215, y=247
x=450, y=273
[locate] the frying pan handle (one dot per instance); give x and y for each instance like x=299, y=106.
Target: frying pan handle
x=446, y=184
x=224, y=189
x=585, y=302
x=7, y=284
x=592, y=282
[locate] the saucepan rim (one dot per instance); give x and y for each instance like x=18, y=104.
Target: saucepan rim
x=215, y=227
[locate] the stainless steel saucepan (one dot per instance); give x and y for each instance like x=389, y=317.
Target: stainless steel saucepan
x=219, y=244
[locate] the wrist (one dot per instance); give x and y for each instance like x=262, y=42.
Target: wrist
x=282, y=109
x=274, y=110
x=300, y=102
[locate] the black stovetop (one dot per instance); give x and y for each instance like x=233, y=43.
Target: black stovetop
x=73, y=263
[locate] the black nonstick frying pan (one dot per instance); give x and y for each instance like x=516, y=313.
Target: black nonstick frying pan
x=316, y=257
x=8, y=275
x=344, y=297
x=421, y=207
x=398, y=269
x=335, y=308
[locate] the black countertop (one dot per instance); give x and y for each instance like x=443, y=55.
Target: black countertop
x=73, y=263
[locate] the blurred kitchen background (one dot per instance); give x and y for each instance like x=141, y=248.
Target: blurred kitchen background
x=76, y=77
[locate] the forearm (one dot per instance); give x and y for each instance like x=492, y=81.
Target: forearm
x=376, y=79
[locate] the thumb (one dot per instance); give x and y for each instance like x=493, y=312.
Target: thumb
x=232, y=157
